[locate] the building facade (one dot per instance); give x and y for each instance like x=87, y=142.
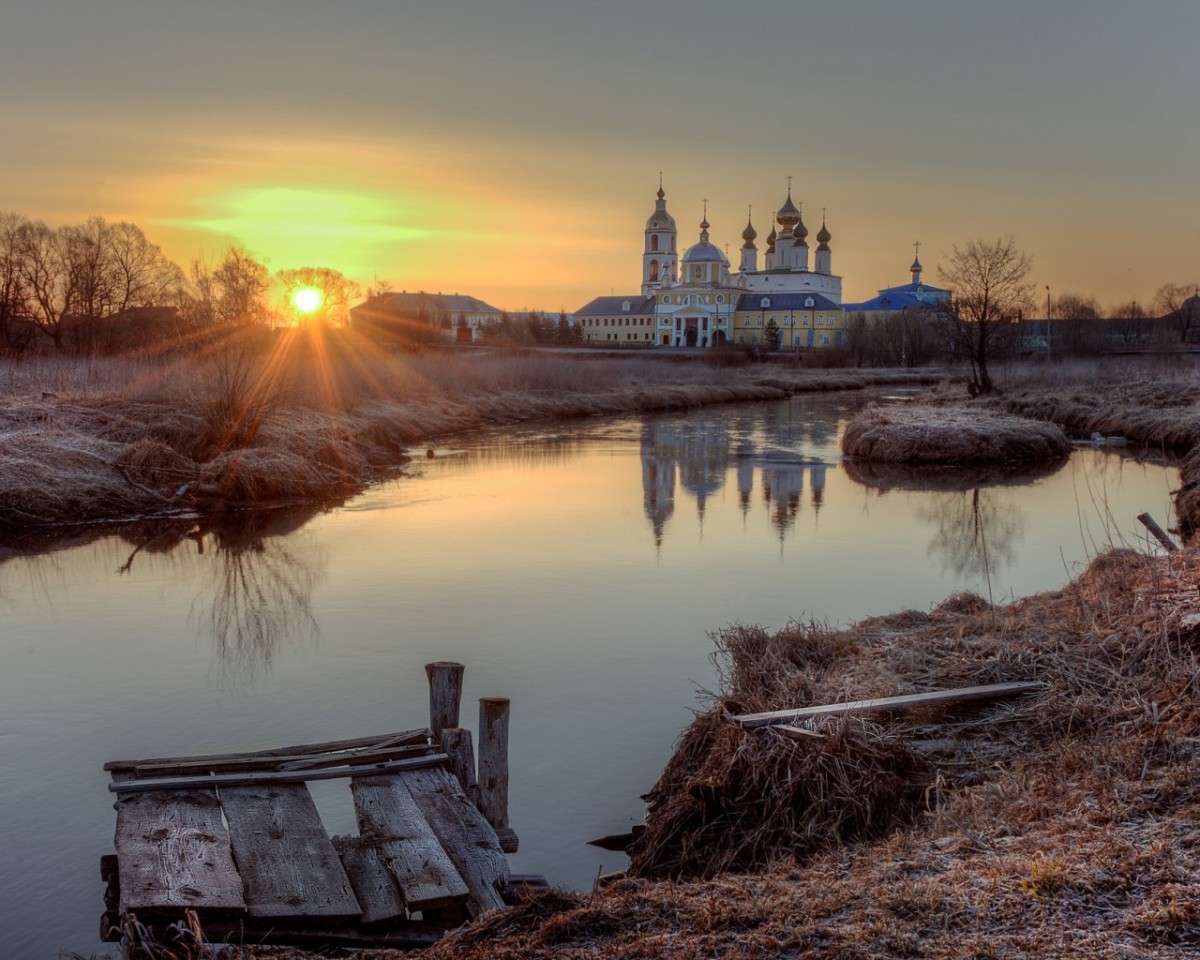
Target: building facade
x=792, y=300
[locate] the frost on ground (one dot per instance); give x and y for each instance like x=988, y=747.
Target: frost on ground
x=921, y=433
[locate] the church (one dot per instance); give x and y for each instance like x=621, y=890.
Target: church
x=793, y=299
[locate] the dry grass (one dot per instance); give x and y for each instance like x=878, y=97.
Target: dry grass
x=305, y=417
x=1066, y=824
x=915, y=433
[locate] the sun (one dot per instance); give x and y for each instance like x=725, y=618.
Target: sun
x=307, y=300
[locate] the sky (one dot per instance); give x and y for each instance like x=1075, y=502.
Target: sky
x=512, y=150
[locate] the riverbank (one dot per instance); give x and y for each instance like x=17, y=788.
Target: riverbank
x=311, y=418
x=1059, y=824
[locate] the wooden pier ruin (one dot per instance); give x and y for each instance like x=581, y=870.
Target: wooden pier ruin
x=236, y=838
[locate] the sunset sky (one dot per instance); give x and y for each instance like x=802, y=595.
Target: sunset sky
x=512, y=150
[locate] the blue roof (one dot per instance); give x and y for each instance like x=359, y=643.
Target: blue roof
x=900, y=298
x=615, y=306
x=785, y=301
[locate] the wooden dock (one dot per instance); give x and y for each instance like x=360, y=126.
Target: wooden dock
x=237, y=838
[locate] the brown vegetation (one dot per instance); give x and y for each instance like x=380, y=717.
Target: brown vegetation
x=927, y=434
x=304, y=415
x=1061, y=825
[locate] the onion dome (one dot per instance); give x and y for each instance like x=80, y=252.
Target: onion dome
x=800, y=230
x=749, y=235
x=788, y=216
x=916, y=266
x=704, y=252
x=660, y=219
x=823, y=236
x=771, y=237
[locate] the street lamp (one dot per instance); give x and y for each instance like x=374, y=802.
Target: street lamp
x=1047, y=323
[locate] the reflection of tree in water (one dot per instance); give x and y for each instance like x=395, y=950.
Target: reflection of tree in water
x=975, y=531
x=260, y=582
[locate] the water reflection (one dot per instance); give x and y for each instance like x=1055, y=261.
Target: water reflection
x=253, y=578
x=978, y=523
x=699, y=453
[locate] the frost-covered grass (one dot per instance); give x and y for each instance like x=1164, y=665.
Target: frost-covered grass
x=923, y=434
x=307, y=417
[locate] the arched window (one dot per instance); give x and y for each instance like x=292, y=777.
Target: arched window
x=654, y=268
x=654, y=242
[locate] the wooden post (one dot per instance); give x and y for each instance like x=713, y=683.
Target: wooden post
x=445, y=695
x=493, y=767
x=458, y=746
x=1160, y=534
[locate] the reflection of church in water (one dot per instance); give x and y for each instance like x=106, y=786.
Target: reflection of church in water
x=694, y=459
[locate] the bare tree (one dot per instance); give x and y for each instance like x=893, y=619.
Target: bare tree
x=11, y=301
x=141, y=275
x=44, y=278
x=337, y=292
x=1127, y=323
x=1180, y=305
x=990, y=292
x=1078, y=319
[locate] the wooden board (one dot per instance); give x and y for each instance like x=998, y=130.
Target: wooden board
x=258, y=778
x=464, y=834
x=379, y=740
x=289, y=867
x=289, y=761
x=173, y=852
x=405, y=844
x=886, y=704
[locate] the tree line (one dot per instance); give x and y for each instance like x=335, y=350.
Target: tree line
x=102, y=287
x=993, y=315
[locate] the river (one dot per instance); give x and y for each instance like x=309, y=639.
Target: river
x=577, y=568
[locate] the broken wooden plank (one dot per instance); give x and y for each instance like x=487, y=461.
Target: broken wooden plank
x=173, y=853
x=1160, y=534
x=374, y=884
x=991, y=691
x=288, y=865
x=297, y=761
x=797, y=733
x=405, y=844
x=379, y=740
x=463, y=833
x=279, y=776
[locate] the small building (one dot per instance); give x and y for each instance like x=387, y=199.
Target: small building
x=794, y=321
x=406, y=316
x=617, y=321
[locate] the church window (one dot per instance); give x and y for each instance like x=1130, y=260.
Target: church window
x=697, y=272
x=720, y=298
x=653, y=270
x=810, y=302
x=625, y=305
x=654, y=242
x=766, y=302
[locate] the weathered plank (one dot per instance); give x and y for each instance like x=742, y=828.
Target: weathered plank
x=797, y=733
x=463, y=833
x=390, y=819
x=296, y=761
x=374, y=885
x=173, y=852
x=379, y=740
x=289, y=867
x=991, y=691
x=277, y=776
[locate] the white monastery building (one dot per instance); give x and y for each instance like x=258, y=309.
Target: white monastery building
x=698, y=300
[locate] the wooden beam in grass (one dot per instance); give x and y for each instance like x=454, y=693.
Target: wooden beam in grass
x=992, y=691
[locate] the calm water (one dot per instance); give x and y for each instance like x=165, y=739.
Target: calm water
x=577, y=569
